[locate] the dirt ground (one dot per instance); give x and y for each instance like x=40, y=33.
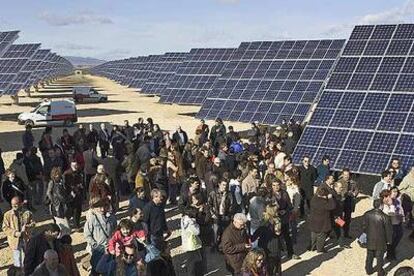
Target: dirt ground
x=126, y=104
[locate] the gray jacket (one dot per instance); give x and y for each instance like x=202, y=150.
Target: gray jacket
x=98, y=229
x=41, y=270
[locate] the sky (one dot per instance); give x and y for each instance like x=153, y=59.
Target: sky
x=114, y=29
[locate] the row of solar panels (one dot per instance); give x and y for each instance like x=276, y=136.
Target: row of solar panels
x=24, y=65
x=362, y=90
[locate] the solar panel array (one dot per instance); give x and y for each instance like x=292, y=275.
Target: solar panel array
x=196, y=75
x=365, y=115
x=267, y=81
x=162, y=73
x=23, y=65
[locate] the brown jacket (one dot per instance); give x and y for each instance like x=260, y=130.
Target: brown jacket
x=233, y=244
x=10, y=226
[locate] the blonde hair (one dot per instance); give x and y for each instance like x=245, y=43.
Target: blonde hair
x=270, y=213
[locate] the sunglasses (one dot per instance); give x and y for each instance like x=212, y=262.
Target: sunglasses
x=126, y=255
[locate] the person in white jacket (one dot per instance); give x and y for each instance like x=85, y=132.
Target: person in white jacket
x=191, y=242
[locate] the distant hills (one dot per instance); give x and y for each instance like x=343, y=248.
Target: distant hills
x=82, y=62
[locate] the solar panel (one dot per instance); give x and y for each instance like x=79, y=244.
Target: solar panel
x=11, y=63
x=272, y=80
x=196, y=76
x=162, y=73
x=366, y=110
x=6, y=40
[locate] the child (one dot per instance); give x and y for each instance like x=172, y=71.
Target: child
x=125, y=235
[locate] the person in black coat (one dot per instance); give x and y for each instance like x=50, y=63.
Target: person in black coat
x=104, y=139
x=180, y=138
x=37, y=246
x=319, y=220
x=282, y=200
x=307, y=175
x=12, y=187
x=92, y=137
x=154, y=217
x=378, y=228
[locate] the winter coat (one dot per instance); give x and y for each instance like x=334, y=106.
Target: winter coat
x=59, y=196
x=10, y=226
x=216, y=205
x=320, y=215
x=12, y=189
x=407, y=185
x=98, y=229
x=377, y=226
x=35, y=249
x=233, y=244
x=307, y=179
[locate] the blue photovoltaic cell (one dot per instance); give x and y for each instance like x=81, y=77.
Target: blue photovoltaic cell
x=369, y=100
x=302, y=151
x=405, y=144
x=375, y=162
x=350, y=159
x=290, y=73
x=332, y=153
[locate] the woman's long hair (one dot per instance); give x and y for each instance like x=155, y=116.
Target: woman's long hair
x=250, y=262
x=56, y=174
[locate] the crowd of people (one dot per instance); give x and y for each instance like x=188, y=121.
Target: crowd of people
x=238, y=195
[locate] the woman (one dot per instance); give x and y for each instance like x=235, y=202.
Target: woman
x=292, y=188
x=254, y=264
x=12, y=186
x=173, y=178
x=59, y=196
x=269, y=239
x=396, y=213
x=320, y=223
x=191, y=242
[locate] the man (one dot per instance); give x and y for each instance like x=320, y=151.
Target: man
x=232, y=136
x=384, y=184
x=217, y=133
x=128, y=131
x=104, y=138
x=112, y=168
x=99, y=227
x=118, y=143
x=89, y=169
x=378, y=228
x=180, y=138
x=38, y=245
x=398, y=172
x=92, y=137
x=203, y=129
x=407, y=190
x=36, y=178
x=74, y=181
x=143, y=153
x=235, y=244
x=250, y=183
x=50, y=266
x=79, y=135
x=20, y=169
x=349, y=192
x=28, y=138
x=17, y=225
x=154, y=217
x=323, y=170
x=307, y=176
x=290, y=143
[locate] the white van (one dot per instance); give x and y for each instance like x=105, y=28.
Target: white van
x=51, y=113
x=87, y=94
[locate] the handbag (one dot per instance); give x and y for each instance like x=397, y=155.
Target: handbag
x=340, y=222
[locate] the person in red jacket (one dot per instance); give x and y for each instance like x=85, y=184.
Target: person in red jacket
x=124, y=236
